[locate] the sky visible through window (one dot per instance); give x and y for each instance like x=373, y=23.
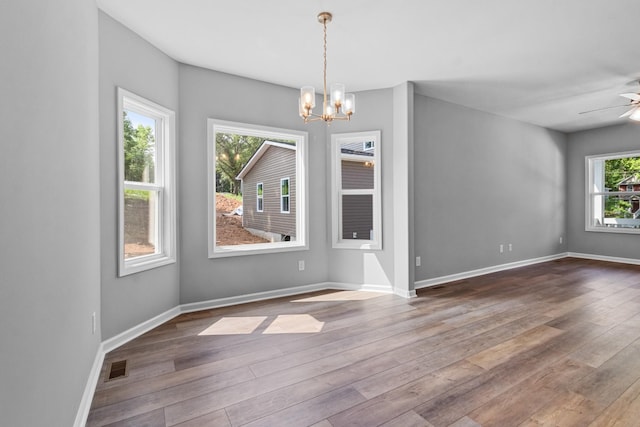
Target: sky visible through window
x=138, y=119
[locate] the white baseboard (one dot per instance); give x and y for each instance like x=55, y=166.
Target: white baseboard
x=604, y=258
x=364, y=287
x=258, y=296
x=89, y=389
x=126, y=336
x=411, y=293
x=487, y=270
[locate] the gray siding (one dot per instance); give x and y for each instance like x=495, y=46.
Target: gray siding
x=357, y=216
x=275, y=164
x=355, y=175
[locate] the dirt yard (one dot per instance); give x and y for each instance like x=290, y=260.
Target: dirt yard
x=229, y=229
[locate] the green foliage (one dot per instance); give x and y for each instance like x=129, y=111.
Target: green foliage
x=139, y=152
x=232, y=154
x=615, y=171
x=137, y=194
x=237, y=197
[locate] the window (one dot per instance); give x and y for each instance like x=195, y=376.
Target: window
x=284, y=195
x=146, y=134
x=355, y=183
x=260, y=197
x=257, y=189
x=612, y=204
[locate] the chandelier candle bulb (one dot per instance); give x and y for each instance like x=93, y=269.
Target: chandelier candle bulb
x=349, y=103
x=328, y=110
x=337, y=94
x=308, y=95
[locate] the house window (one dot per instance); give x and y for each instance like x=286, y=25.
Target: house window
x=355, y=183
x=612, y=204
x=284, y=195
x=260, y=197
x=146, y=159
x=252, y=208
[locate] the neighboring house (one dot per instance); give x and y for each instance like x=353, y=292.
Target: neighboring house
x=357, y=174
x=632, y=183
x=268, y=192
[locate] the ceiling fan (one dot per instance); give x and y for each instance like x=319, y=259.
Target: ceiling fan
x=634, y=102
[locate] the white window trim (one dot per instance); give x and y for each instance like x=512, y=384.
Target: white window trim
x=288, y=196
x=337, y=192
x=302, y=205
x=590, y=194
x=165, y=185
x=259, y=197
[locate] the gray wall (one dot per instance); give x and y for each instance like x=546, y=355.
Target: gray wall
x=374, y=111
x=209, y=94
x=49, y=181
x=612, y=139
x=481, y=181
x=126, y=60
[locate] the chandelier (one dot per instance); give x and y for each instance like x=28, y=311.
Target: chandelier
x=340, y=106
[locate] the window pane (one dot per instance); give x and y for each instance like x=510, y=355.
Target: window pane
x=357, y=216
x=140, y=223
x=622, y=174
x=357, y=175
x=255, y=190
x=619, y=211
x=139, y=147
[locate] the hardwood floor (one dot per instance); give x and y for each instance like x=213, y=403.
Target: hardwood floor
x=554, y=344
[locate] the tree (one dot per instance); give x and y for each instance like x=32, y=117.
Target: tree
x=139, y=151
x=616, y=170
x=232, y=154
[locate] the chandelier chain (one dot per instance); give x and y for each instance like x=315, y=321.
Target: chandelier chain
x=324, y=74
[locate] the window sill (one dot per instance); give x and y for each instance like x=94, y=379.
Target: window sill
x=614, y=230
x=256, y=249
x=140, y=264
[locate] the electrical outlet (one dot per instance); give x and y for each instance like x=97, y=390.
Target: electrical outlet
x=418, y=261
x=561, y=239
x=510, y=247
x=301, y=265
x=501, y=248
x=93, y=323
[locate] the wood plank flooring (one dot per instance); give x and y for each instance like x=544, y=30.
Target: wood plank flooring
x=554, y=344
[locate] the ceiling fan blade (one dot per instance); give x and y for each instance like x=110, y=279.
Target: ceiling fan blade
x=631, y=96
x=604, y=108
x=630, y=112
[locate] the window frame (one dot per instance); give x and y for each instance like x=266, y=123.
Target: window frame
x=301, y=138
x=590, y=195
x=164, y=185
x=337, y=192
x=259, y=197
x=287, y=196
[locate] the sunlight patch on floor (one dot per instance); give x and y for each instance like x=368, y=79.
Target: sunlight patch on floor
x=343, y=296
x=234, y=326
x=294, y=324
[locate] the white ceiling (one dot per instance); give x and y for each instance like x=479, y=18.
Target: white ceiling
x=539, y=61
